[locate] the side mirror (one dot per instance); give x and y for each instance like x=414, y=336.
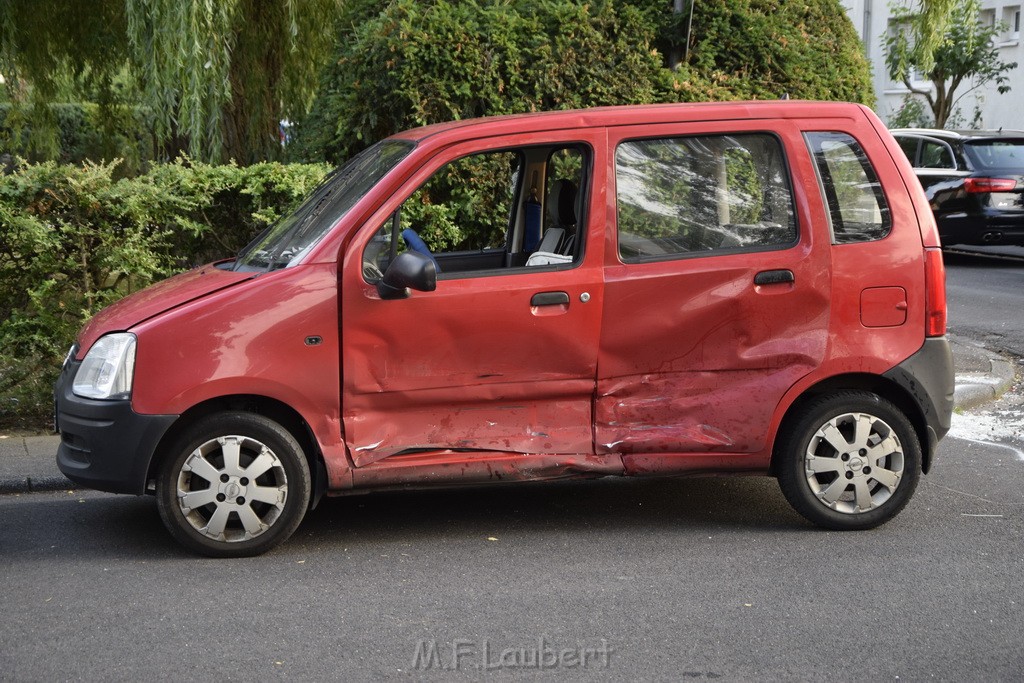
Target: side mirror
x=409, y=270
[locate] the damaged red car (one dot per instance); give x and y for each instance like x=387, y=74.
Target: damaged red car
x=749, y=288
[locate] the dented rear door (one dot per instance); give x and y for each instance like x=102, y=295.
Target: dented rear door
x=716, y=292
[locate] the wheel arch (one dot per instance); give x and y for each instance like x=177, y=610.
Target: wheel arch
x=276, y=410
x=876, y=384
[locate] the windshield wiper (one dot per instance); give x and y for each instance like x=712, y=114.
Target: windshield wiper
x=286, y=240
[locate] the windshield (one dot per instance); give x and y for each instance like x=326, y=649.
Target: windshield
x=285, y=242
x=1003, y=154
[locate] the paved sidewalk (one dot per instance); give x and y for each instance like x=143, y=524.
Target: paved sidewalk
x=27, y=463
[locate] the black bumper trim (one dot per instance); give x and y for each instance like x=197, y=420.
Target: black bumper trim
x=928, y=378
x=105, y=445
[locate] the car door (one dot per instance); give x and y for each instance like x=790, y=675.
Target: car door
x=500, y=357
x=717, y=300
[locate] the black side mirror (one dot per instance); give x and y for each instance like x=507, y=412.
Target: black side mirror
x=409, y=270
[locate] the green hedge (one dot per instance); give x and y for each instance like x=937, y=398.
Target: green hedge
x=76, y=238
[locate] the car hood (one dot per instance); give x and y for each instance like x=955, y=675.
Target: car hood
x=154, y=300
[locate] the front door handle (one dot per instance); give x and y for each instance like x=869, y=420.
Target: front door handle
x=550, y=299
x=774, y=277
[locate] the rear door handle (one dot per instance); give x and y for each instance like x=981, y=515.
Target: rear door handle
x=774, y=277
x=550, y=299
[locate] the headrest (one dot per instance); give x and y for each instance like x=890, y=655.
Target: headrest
x=561, y=204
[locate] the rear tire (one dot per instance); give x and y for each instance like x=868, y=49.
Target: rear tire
x=849, y=460
x=233, y=485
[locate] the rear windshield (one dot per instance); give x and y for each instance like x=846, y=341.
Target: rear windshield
x=1001, y=153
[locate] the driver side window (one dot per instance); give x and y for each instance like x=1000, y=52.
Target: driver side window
x=460, y=216
x=488, y=212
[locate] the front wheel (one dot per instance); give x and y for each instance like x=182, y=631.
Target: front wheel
x=849, y=460
x=234, y=485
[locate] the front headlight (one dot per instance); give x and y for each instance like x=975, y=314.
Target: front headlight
x=108, y=368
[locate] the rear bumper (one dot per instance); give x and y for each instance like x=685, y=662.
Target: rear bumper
x=988, y=228
x=105, y=445
x=928, y=379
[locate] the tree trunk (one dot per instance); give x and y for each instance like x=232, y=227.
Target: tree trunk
x=251, y=120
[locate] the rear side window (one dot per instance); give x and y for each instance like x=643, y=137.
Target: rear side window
x=909, y=147
x=851, y=189
x=702, y=195
x=937, y=154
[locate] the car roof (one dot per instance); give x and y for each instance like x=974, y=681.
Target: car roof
x=638, y=115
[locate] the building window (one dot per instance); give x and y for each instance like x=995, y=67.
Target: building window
x=1011, y=17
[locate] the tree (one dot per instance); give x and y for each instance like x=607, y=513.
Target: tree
x=934, y=20
x=418, y=62
x=412, y=62
x=765, y=49
x=217, y=76
x=967, y=55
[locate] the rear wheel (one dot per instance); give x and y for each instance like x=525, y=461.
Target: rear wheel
x=234, y=485
x=849, y=460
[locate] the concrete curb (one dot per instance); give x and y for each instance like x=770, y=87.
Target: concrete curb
x=36, y=484
x=973, y=390
x=28, y=464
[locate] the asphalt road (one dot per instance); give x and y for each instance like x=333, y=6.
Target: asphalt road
x=985, y=290
x=674, y=579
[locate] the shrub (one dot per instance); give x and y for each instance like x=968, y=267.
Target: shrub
x=75, y=238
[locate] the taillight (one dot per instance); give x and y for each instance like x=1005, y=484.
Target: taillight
x=935, y=293
x=975, y=185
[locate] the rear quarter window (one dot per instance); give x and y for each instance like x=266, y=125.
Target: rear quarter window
x=850, y=187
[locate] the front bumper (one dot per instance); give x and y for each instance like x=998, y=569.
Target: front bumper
x=928, y=378
x=104, y=445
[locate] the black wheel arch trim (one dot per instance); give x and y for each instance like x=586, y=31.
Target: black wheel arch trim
x=276, y=410
x=927, y=377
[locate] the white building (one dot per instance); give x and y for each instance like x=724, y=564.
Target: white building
x=872, y=19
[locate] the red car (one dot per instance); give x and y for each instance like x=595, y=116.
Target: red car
x=749, y=288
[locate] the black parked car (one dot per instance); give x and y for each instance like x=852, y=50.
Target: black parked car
x=974, y=181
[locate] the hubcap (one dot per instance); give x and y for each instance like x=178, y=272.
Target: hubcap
x=854, y=463
x=232, y=488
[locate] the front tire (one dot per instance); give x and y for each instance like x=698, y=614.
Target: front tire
x=849, y=460
x=233, y=485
